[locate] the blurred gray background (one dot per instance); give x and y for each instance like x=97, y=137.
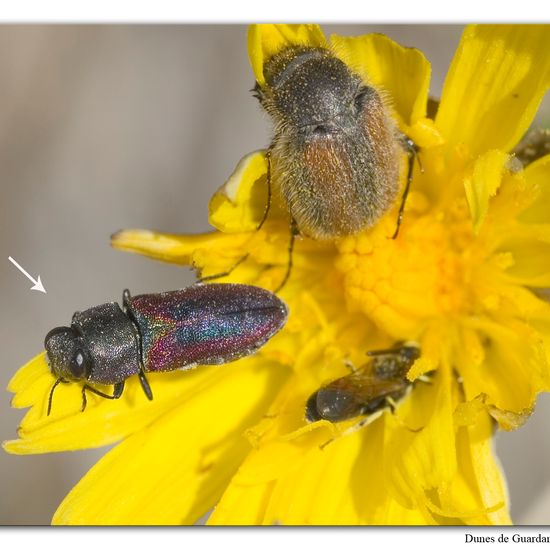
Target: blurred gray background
x=109, y=127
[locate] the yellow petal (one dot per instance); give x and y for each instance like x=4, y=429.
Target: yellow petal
x=104, y=421
x=177, y=249
x=239, y=205
x=496, y=81
x=515, y=195
x=255, y=257
x=514, y=368
x=480, y=475
x=173, y=471
x=314, y=486
x=242, y=505
x=531, y=258
x=288, y=479
x=323, y=490
x=483, y=184
x=537, y=176
x=509, y=420
x=391, y=512
x=29, y=382
x=404, y=73
x=468, y=414
x=160, y=246
x=264, y=41
x=416, y=463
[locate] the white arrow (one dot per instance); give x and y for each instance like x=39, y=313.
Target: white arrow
x=37, y=284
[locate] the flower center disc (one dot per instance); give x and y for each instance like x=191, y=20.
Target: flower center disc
x=425, y=273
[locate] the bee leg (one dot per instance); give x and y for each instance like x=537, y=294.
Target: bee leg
x=412, y=152
x=352, y=429
x=293, y=233
x=268, y=204
x=392, y=405
x=350, y=366
x=58, y=381
x=223, y=273
x=117, y=392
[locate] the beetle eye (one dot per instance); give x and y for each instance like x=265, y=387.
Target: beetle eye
x=79, y=365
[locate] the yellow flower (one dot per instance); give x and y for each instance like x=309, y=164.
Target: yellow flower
x=460, y=279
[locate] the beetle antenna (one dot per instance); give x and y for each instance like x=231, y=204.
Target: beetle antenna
x=55, y=384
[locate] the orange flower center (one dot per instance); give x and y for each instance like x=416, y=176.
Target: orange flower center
x=423, y=274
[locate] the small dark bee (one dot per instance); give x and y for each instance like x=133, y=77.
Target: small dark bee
x=201, y=324
x=368, y=390
x=335, y=157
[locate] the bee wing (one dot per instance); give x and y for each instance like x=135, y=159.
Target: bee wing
x=204, y=324
x=366, y=386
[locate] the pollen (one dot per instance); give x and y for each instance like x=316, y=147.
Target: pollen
x=427, y=272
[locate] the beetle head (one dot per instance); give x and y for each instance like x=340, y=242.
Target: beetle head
x=67, y=354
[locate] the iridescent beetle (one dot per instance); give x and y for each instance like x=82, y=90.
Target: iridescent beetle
x=202, y=324
x=368, y=390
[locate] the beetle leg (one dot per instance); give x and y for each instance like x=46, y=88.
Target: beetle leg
x=294, y=232
x=262, y=221
x=268, y=205
x=117, y=392
x=145, y=384
x=412, y=152
x=223, y=273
